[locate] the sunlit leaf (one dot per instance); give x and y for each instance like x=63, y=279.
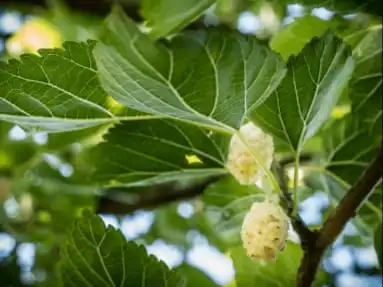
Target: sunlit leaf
x=292, y=38
x=314, y=82
x=208, y=78
x=56, y=91
x=166, y=16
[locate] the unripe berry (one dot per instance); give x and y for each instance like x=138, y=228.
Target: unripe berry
x=264, y=231
x=241, y=162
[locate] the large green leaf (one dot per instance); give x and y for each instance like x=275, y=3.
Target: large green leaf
x=208, y=78
x=226, y=204
x=314, y=82
x=167, y=16
x=350, y=146
x=55, y=91
x=280, y=273
x=292, y=38
x=352, y=142
x=134, y=152
x=365, y=89
x=95, y=255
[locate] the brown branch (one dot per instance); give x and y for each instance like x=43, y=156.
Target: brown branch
x=334, y=225
x=121, y=200
x=305, y=234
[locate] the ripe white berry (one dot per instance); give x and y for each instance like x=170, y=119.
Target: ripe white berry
x=240, y=161
x=264, y=231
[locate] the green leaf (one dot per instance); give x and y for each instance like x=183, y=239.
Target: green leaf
x=95, y=255
x=314, y=82
x=378, y=244
x=352, y=142
x=207, y=78
x=195, y=277
x=349, y=147
x=153, y=150
x=281, y=273
x=226, y=204
x=291, y=40
x=56, y=91
x=365, y=89
x=166, y=17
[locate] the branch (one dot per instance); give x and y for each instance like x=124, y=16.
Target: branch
x=305, y=234
x=126, y=200
x=334, y=225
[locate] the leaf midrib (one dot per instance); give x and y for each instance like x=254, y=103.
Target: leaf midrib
x=219, y=127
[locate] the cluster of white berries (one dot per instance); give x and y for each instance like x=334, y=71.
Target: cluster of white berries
x=265, y=227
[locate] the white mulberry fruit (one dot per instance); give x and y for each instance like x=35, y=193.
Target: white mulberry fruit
x=240, y=161
x=264, y=231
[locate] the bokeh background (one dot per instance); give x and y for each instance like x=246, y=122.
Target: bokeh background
x=26, y=248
